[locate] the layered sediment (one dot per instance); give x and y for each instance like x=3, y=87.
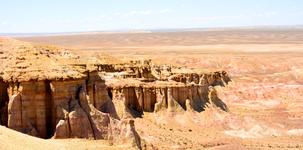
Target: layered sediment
x=49, y=92
x=44, y=94
x=181, y=92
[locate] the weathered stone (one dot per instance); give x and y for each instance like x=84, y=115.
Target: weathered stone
x=124, y=132
x=188, y=105
x=15, y=113
x=214, y=100
x=46, y=92
x=62, y=130
x=173, y=105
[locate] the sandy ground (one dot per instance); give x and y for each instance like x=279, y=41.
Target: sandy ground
x=265, y=99
x=13, y=140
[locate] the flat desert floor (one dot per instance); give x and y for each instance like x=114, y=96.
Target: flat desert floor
x=265, y=97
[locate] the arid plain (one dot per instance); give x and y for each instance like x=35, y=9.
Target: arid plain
x=264, y=99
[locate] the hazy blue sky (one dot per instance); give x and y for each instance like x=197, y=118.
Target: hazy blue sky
x=25, y=16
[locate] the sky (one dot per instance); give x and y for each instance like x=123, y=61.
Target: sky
x=47, y=16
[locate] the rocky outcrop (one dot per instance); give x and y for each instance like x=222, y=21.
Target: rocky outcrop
x=51, y=93
x=64, y=109
x=44, y=94
x=150, y=99
x=124, y=132
x=211, y=79
x=180, y=92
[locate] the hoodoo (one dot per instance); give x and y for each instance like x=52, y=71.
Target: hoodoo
x=50, y=92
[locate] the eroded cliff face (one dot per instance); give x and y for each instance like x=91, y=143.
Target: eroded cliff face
x=51, y=93
x=65, y=109
x=182, y=92
x=56, y=99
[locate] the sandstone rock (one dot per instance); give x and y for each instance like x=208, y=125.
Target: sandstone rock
x=119, y=103
x=124, y=132
x=131, y=99
x=50, y=92
x=100, y=124
x=140, y=97
x=172, y=104
x=62, y=130
x=149, y=99
x=15, y=113
x=188, y=105
x=80, y=125
x=96, y=90
x=214, y=100
x=161, y=100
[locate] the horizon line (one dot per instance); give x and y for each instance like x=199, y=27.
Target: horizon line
x=153, y=30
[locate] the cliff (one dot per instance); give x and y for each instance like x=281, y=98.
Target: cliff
x=44, y=95
x=49, y=92
x=180, y=92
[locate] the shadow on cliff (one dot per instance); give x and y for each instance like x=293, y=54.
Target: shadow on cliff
x=135, y=113
x=219, y=103
x=3, y=103
x=214, y=100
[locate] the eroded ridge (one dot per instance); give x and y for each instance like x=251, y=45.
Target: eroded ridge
x=50, y=92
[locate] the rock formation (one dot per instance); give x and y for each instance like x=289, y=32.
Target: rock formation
x=173, y=91
x=45, y=95
x=49, y=92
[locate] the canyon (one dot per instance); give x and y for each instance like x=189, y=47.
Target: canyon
x=50, y=92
